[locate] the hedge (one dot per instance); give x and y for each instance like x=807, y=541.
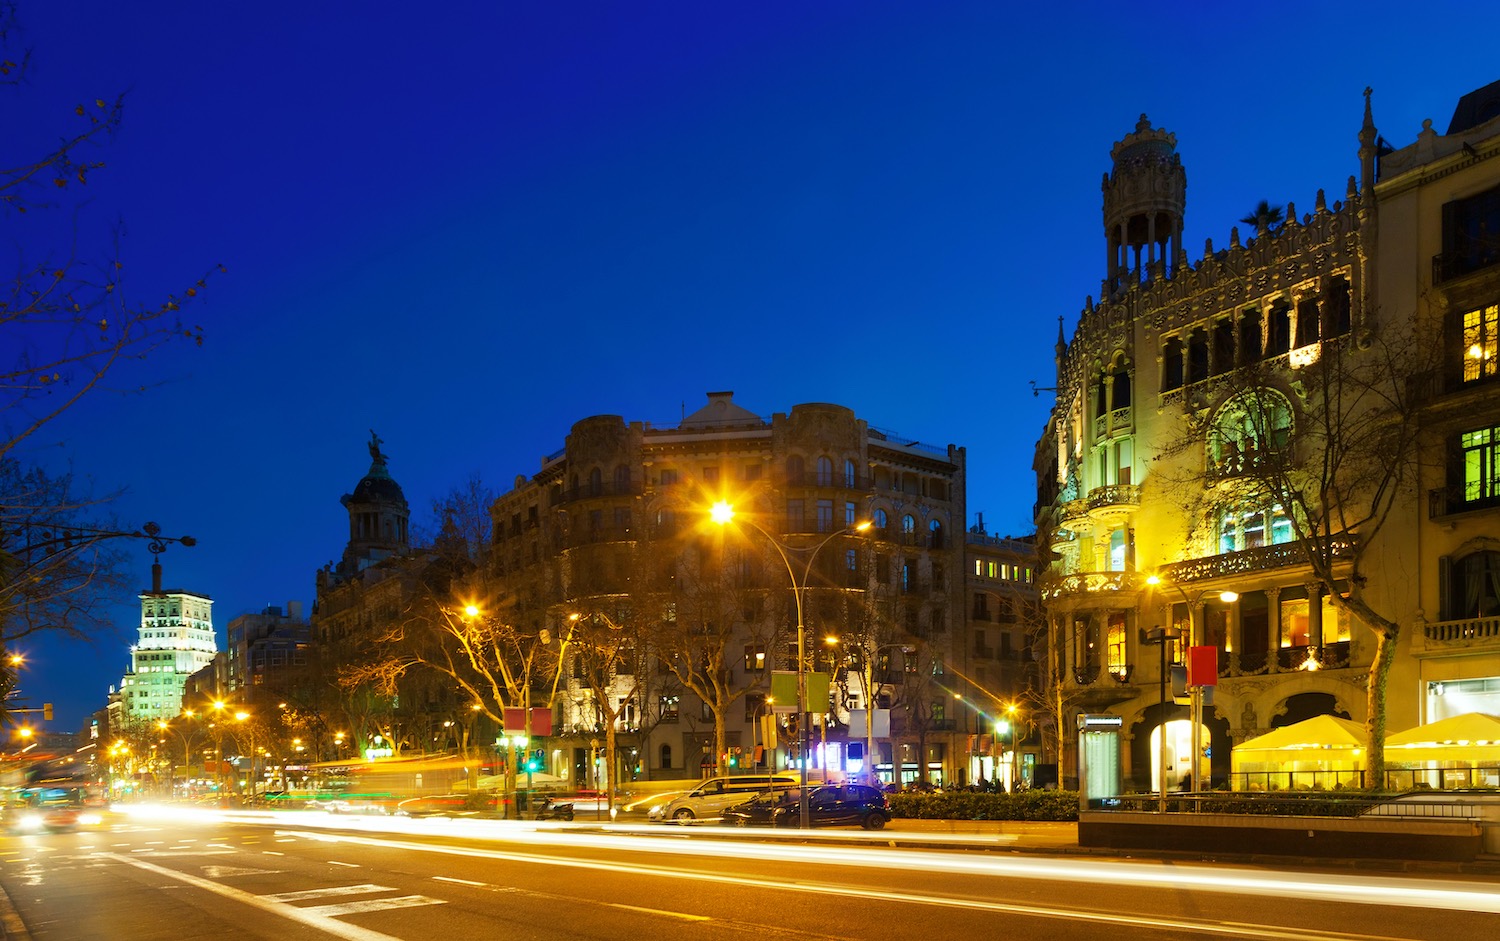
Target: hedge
x=982, y=805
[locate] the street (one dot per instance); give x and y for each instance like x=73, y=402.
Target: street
x=310, y=875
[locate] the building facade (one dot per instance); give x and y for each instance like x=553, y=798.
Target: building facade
x=1438, y=254
x=176, y=640
x=1144, y=467
x=884, y=606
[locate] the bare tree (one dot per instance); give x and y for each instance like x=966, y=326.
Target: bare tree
x=68, y=320
x=1332, y=446
x=716, y=619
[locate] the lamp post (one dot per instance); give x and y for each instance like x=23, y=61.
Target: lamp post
x=243, y=718
x=1195, y=638
x=723, y=513
x=1161, y=637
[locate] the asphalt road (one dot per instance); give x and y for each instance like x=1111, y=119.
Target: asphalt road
x=181, y=878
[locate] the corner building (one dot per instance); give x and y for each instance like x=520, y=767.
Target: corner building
x=1137, y=466
x=563, y=536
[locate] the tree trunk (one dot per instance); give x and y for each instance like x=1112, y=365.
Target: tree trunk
x=721, y=742
x=610, y=765
x=1375, y=706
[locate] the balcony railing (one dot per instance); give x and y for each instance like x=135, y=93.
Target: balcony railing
x=1082, y=582
x=1451, y=501
x=1114, y=495
x=1450, y=265
x=1469, y=633
x=1252, y=560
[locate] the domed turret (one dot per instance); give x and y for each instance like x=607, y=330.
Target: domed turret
x=378, y=516
x=1144, y=200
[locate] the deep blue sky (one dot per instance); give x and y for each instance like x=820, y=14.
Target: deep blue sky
x=468, y=226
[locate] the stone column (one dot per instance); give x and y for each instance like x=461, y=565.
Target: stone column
x=1273, y=629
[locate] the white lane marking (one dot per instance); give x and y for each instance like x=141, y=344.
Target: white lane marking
x=372, y=905
x=306, y=894
x=659, y=911
x=334, y=862
x=460, y=881
x=271, y=853
x=286, y=841
x=290, y=912
x=223, y=872
x=222, y=846
x=1260, y=932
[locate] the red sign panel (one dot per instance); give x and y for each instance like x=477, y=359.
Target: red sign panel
x=1203, y=666
x=541, y=721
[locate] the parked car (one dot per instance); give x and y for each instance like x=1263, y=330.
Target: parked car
x=710, y=797
x=832, y=805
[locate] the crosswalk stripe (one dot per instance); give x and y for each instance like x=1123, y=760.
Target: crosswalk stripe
x=325, y=893
x=371, y=905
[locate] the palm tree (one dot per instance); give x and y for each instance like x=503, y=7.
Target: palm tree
x=1264, y=214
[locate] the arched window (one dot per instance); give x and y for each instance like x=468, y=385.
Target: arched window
x=794, y=470
x=908, y=529
x=1474, y=586
x=596, y=482
x=622, y=479
x=935, y=535
x=851, y=477
x=825, y=472
x=882, y=524
x=666, y=757
x=1249, y=432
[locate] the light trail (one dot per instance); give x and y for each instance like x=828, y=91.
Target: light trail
x=1363, y=889
x=846, y=891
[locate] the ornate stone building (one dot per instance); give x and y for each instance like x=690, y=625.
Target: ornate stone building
x=570, y=537
x=1140, y=467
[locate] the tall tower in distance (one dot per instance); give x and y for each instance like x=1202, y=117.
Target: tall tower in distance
x=1144, y=199
x=176, y=640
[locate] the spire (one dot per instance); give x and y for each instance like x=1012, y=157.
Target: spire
x=1367, y=139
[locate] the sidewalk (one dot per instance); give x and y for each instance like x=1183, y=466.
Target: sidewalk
x=1062, y=839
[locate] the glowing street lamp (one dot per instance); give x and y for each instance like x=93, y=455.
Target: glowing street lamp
x=723, y=514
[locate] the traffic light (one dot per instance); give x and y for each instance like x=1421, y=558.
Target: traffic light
x=47, y=711
x=534, y=761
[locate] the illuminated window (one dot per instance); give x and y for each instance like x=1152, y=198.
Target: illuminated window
x=1253, y=528
x=1296, y=625
x=1117, y=644
x=1480, y=342
x=1481, y=464
x=1335, y=628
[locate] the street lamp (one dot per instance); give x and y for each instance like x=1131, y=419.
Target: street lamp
x=243, y=718
x=1161, y=637
x=1195, y=638
x=723, y=514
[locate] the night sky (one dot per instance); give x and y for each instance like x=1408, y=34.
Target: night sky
x=469, y=225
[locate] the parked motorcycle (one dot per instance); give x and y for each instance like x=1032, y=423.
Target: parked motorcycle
x=549, y=809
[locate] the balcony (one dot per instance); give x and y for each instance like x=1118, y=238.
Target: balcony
x=1113, y=502
x=1444, y=502
x=1468, y=635
x=1258, y=559
x=1450, y=265
x=1082, y=583
x=1075, y=515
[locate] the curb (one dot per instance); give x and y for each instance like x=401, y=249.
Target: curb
x=11, y=926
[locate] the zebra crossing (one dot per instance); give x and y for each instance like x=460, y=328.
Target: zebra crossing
x=355, y=907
